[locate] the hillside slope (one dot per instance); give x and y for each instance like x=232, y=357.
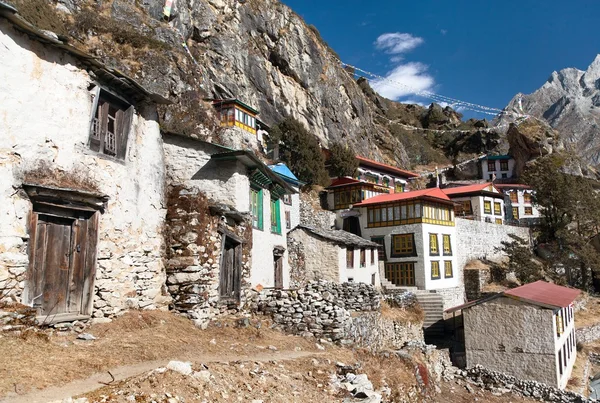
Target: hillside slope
x=259, y=51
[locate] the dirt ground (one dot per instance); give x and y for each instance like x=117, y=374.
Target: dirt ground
x=235, y=364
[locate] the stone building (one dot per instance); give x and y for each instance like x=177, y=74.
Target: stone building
x=332, y=255
x=520, y=207
x=416, y=231
x=497, y=167
x=527, y=332
x=291, y=203
x=224, y=226
x=481, y=202
x=82, y=185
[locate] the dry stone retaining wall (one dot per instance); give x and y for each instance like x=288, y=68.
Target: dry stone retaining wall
x=346, y=313
x=588, y=334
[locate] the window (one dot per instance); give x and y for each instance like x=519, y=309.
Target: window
x=403, y=245
x=447, y=245
x=372, y=178
x=528, y=211
x=515, y=213
x=463, y=208
x=435, y=270
x=497, y=208
x=433, y=245
x=514, y=197
x=381, y=249
x=527, y=198
x=491, y=166
x=400, y=273
x=487, y=207
x=344, y=197
x=504, y=176
x=559, y=325
x=386, y=182
x=256, y=207
x=372, y=255
x=288, y=220
x=287, y=199
x=409, y=213
x=350, y=258
x=448, y=269
x=499, y=221
x=363, y=257
x=491, y=177
x=275, y=217
x=110, y=126
x=399, y=187
x=504, y=165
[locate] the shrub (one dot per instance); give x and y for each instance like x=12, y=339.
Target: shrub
x=301, y=151
x=343, y=161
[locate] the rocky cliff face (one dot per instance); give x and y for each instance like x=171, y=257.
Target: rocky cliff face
x=570, y=102
x=258, y=51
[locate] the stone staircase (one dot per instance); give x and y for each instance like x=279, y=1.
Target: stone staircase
x=431, y=303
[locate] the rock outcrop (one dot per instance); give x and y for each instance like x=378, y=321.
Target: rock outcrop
x=570, y=102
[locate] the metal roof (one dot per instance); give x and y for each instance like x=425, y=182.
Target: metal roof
x=476, y=189
x=337, y=236
x=435, y=194
x=385, y=167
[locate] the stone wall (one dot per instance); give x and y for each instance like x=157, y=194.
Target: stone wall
x=194, y=235
x=312, y=259
x=475, y=280
x=587, y=334
x=52, y=150
x=346, y=313
x=315, y=217
x=478, y=240
x=500, y=383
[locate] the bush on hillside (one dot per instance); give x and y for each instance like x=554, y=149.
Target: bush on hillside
x=343, y=161
x=300, y=151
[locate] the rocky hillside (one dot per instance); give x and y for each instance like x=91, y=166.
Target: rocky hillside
x=570, y=102
x=259, y=51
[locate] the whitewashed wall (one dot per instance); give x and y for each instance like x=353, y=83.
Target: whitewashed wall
x=45, y=110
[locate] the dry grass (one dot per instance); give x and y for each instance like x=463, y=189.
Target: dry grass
x=590, y=315
x=410, y=315
x=577, y=375
x=37, y=362
x=476, y=264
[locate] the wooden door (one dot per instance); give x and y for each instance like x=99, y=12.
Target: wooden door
x=62, y=264
x=278, y=266
x=230, y=276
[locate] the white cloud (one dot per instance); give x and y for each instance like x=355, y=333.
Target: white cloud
x=405, y=79
x=413, y=102
x=443, y=31
x=397, y=42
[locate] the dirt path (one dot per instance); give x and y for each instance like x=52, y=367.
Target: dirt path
x=96, y=381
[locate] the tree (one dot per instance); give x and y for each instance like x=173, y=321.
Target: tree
x=301, y=152
x=521, y=260
x=343, y=161
x=570, y=209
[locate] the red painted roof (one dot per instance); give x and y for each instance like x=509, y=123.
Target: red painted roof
x=343, y=181
x=478, y=187
x=544, y=293
x=401, y=172
x=435, y=193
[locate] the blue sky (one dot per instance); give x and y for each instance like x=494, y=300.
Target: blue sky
x=480, y=51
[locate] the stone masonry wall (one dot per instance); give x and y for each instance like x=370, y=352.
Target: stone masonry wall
x=475, y=279
x=346, y=313
x=587, y=334
x=478, y=239
x=311, y=259
x=194, y=237
x=314, y=217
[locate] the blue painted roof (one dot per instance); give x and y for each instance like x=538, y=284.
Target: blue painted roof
x=285, y=173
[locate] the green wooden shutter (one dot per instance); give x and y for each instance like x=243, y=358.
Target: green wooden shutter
x=260, y=209
x=278, y=209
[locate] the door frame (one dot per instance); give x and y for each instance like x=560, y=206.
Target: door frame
x=69, y=204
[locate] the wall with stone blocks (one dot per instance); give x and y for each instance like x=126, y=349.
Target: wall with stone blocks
x=314, y=217
x=475, y=280
x=479, y=240
x=346, y=313
x=587, y=334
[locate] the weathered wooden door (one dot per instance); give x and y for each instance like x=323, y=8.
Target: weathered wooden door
x=231, y=271
x=62, y=264
x=278, y=265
